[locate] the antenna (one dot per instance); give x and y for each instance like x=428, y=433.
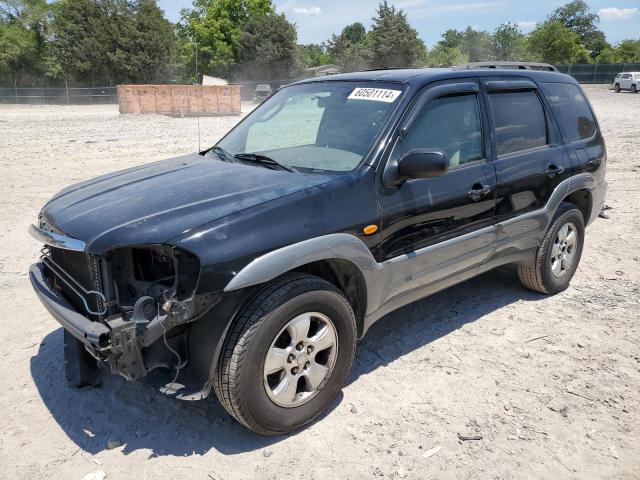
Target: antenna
x=195, y=41
x=198, y=120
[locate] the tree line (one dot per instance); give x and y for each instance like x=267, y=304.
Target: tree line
x=130, y=41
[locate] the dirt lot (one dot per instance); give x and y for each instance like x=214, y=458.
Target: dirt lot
x=552, y=384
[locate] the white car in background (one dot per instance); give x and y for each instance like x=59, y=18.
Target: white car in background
x=627, y=81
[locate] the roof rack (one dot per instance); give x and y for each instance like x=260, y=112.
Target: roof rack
x=508, y=65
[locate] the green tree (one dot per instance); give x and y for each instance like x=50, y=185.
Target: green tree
x=17, y=48
x=475, y=46
x=350, y=35
x=351, y=50
x=628, y=51
x=607, y=55
x=354, y=33
x=577, y=17
x=118, y=41
x=509, y=43
x=312, y=55
x=552, y=42
x=23, y=31
x=395, y=43
x=267, y=48
x=443, y=56
x=451, y=38
x=355, y=57
x=143, y=50
x=80, y=40
x=215, y=27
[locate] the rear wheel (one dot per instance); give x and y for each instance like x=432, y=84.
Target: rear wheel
x=558, y=257
x=634, y=89
x=287, y=355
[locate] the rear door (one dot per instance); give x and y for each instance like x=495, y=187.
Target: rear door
x=625, y=81
x=529, y=157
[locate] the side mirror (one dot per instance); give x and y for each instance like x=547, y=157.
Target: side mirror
x=421, y=163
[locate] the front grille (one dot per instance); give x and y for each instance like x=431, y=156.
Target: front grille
x=77, y=276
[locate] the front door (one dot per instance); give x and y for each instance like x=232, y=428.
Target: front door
x=435, y=227
x=626, y=81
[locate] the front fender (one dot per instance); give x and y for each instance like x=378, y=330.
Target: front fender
x=333, y=246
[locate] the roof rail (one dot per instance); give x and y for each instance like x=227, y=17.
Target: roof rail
x=508, y=66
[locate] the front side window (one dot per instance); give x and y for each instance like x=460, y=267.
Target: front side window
x=574, y=116
x=519, y=121
x=451, y=125
x=317, y=127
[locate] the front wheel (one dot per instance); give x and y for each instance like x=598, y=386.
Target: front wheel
x=634, y=89
x=616, y=88
x=558, y=257
x=287, y=355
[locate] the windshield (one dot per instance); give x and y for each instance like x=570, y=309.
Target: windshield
x=316, y=127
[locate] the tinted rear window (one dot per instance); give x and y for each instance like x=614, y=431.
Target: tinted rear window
x=571, y=110
x=519, y=121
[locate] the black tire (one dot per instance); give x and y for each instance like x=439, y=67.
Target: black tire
x=634, y=89
x=238, y=380
x=538, y=276
x=616, y=88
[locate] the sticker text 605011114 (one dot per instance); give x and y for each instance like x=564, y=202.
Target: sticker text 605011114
x=375, y=94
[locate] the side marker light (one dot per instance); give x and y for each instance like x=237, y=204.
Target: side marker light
x=370, y=229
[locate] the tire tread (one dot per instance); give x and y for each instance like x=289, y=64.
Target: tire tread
x=236, y=345
x=531, y=275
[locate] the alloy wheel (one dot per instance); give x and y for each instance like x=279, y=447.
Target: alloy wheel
x=300, y=359
x=564, y=249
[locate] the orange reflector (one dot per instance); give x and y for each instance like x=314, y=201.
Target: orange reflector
x=370, y=229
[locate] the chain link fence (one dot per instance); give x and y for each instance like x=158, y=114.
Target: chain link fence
x=95, y=95
x=598, y=73
x=58, y=95
x=589, y=73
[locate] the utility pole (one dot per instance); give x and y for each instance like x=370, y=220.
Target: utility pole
x=197, y=77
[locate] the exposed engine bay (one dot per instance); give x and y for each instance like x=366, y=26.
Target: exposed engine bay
x=144, y=295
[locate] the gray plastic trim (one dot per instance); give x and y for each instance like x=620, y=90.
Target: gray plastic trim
x=401, y=277
x=337, y=245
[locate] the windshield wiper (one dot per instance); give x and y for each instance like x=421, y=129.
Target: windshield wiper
x=221, y=153
x=264, y=160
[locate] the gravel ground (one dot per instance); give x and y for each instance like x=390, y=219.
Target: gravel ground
x=551, y=384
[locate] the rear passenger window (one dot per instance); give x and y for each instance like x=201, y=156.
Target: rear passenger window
x=572, y=111
x=519, y=121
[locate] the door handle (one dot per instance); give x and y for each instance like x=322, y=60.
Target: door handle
x=478, y=191
x=553, y=171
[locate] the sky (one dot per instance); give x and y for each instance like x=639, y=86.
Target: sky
x=317, y=20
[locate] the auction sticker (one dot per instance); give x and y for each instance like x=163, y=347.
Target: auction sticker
x=375, y=94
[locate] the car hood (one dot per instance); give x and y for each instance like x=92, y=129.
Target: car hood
x=156, y=202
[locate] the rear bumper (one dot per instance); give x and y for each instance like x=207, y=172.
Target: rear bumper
x=94, y=335
x=598, y=195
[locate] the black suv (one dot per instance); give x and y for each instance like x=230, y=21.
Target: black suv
x=253, y=267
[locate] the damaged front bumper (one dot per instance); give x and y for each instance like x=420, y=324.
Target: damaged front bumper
x=118, y=340
x=94, y=335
